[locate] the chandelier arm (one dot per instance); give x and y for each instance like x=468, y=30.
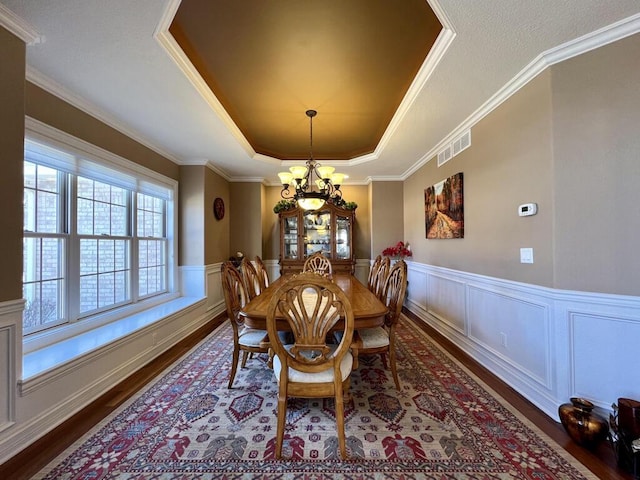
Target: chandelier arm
x=286, y=193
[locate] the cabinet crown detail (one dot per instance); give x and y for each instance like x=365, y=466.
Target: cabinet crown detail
x=328, y=230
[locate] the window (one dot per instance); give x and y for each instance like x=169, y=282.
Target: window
x=97, y=237
x=44, y=245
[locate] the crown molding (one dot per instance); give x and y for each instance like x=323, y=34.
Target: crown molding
x=19, y=27
x=591, y=41
x=260, y=180
x=441, y=45
x=54, y=88
x=173, y=50
x=385, y=178
x=203, y=162
x=218, y=170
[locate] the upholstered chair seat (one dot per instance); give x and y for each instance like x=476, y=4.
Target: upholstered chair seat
x=374, y=337
x=250, y=337
x=315, y=377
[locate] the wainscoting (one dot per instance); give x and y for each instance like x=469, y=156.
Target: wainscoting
x=10, y=359
x=547, y=344
x=31, y=407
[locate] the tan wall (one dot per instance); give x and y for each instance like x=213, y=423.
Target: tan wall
x=217, y=232
x=569, y=142
x=246, y=218
x=509, y=163
x=191, y=245
x=55, y=112
x=12, y=64
x=362, y=227
x=204, y=240
x=387, y=215
x=266, y=213
x=596, y=118
x=270, y=227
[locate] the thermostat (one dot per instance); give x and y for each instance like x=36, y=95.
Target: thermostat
x=527, y=209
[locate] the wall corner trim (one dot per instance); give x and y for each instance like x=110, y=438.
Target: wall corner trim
x=19, y=27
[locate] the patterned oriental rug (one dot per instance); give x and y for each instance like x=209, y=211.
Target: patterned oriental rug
x=443, y=424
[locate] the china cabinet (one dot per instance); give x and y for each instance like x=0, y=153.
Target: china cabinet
x=328, y=230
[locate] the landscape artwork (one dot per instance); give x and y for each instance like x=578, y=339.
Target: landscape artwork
x=443, y=208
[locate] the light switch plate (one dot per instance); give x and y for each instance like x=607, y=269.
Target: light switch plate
x=526, y=255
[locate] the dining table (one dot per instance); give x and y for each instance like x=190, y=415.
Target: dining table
x=368, y=310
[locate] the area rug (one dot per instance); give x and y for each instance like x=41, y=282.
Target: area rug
x=444, y=423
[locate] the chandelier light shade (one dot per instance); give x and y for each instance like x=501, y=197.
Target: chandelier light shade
x=311, y=184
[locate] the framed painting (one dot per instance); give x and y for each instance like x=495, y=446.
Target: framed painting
x=444, y=208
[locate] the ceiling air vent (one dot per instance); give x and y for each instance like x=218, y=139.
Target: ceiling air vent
x=454, y=148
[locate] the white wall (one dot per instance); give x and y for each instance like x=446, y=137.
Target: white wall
x=547, y=344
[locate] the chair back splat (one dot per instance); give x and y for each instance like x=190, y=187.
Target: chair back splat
x=318, y=263
x=373, y=272
x=263, y=275
x=381, y=277
x=395, y=288
x=252, y=281
x=310, y=306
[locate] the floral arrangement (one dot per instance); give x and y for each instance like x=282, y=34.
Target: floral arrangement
x=399, y=250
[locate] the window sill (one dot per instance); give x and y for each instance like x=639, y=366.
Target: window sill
x=47, y=360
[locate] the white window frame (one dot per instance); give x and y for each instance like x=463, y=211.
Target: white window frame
x=89, y=160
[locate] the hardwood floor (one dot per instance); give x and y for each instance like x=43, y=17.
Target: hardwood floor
x=27, y=463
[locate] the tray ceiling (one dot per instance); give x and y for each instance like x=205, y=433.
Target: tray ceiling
x=119, y=61
x=268, y=62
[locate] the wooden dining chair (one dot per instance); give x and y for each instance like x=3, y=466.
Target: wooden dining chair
x=318, y=263
x=311, y=305
x=382, y=340
x=381, y=277
x=247, y=340
x=252, y=280
x=263, y=275
x=373, y=272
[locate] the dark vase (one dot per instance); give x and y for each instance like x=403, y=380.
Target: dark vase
x=629, y=418
x=585, y=427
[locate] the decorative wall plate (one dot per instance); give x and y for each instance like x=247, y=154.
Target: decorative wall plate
x=218, y=208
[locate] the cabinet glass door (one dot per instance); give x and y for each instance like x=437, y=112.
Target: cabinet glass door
x=317, y=233
x=290, y=237
x=343, y=247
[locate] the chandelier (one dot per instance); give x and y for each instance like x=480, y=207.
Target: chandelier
x=311, y=184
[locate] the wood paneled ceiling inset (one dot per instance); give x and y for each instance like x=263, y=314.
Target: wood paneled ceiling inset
x=269, y=61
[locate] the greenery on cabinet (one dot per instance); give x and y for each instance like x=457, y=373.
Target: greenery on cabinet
x=285, y=205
